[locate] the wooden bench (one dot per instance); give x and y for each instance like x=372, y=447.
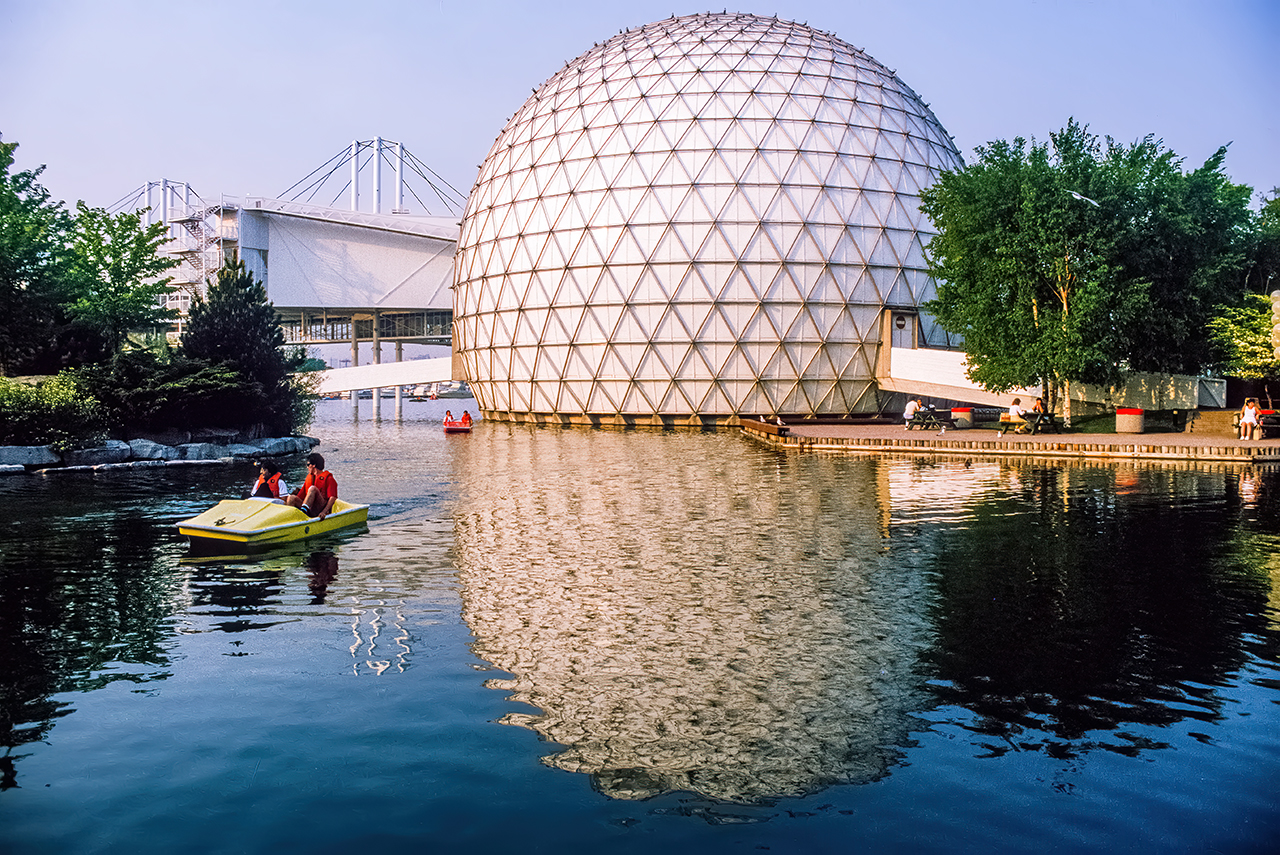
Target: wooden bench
x=1035, y=422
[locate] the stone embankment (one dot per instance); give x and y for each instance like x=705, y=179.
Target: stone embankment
x=203, y=448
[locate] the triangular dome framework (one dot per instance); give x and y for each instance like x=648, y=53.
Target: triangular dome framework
x=700, y=218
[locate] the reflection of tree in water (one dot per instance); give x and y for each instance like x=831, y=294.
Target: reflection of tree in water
x=74, y=608
x=722, y=623
x=1126, y=601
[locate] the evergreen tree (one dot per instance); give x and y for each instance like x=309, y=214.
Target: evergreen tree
x=236, y=326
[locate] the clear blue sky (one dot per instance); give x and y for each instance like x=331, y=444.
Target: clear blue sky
x=244, y=97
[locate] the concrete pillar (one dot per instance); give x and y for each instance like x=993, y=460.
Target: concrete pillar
x=355, y=360
x=399, y=389
x=377, y=360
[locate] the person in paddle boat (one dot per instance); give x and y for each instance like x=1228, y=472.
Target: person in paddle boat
x=448, y=415
x=318, y=493
x=466, y=418
x=270, y=486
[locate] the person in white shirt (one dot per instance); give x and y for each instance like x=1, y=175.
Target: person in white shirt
x=1018, y=415
x=913, y=406
x=1248, y=418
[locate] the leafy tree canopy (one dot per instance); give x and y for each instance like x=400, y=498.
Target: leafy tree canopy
x=1080, y=259
x=1242, y=335
x=115, y=273
x=1263, y=274
x=33, y=258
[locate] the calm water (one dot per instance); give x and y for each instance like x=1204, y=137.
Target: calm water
x=580, y=641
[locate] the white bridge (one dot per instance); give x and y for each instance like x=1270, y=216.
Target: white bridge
x=389, y=374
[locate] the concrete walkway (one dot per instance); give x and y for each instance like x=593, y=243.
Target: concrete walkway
x=882, y=438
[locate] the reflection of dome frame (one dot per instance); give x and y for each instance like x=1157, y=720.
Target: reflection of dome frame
x=698, y=219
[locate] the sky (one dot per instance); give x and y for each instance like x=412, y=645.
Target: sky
x=247, y=98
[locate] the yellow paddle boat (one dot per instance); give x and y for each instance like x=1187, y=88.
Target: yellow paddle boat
x=254, y=522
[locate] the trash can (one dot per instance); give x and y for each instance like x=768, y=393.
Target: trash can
x=1130, y=420
x=962, y=417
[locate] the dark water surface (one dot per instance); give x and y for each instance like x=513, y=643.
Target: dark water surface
x=584, y=641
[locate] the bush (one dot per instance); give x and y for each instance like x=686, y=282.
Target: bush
x=144, y=390
x=58, y=412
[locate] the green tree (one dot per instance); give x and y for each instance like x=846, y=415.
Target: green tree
x=116, y=273
x=1074, y=261
x=33, y=259
x=1263, y=271
x=1182, y=237
x=236, y=325
x=1242, y=335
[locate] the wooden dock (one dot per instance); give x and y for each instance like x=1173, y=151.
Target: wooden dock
x=892, y=438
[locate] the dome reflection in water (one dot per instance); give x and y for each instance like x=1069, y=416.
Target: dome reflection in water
x=758, y=626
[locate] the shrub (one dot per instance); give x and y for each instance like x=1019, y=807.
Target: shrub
x=58, y=412
x=146, y=390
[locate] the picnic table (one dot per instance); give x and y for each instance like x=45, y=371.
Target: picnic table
x=1034, y=422
x=930, y=419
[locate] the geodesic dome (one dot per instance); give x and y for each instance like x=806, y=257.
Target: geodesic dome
x=702, y=217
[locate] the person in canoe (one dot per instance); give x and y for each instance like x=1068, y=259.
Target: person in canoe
x=317, y=494
x=270, y=485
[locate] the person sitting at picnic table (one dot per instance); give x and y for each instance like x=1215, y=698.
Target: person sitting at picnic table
x=1038, y=406
x=1018, y=415
x=914, y=406
x=1249, y=420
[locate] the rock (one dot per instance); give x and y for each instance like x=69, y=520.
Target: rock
x=221, y=436
x=172, y=437
x=145, y=449
x=114, y=451
x=200, y=451
x=277, y=447
x=131, y=464
x=240, y=451
x=11, y=469
x=27, y=455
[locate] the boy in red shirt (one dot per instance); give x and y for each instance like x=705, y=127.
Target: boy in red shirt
x=318, y=493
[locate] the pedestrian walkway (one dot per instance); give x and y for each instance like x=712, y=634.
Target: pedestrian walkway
x=891, y=438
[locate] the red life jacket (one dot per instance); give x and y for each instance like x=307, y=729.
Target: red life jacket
x=324, y=482
x=268, y=488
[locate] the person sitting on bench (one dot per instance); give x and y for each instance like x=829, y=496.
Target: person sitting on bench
x=1018, y=416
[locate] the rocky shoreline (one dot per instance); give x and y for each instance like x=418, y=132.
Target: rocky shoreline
x=208, y=447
